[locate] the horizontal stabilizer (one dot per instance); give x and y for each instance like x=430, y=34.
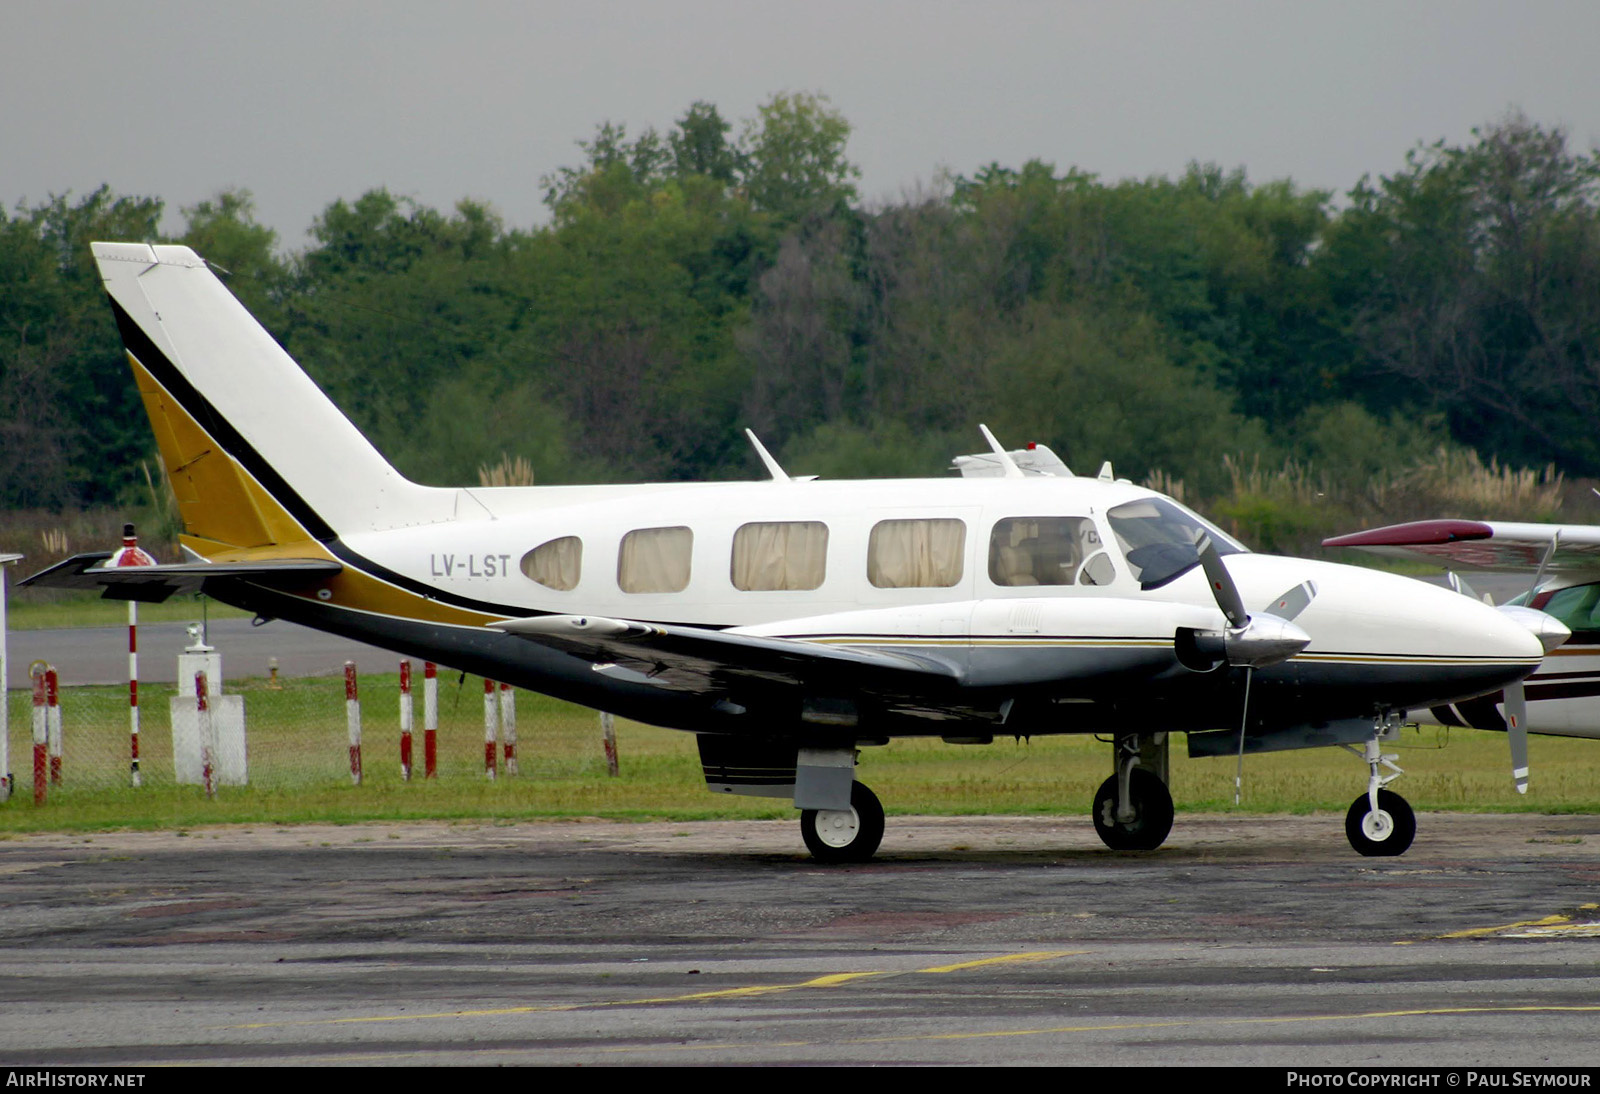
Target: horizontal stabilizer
x=153, y=584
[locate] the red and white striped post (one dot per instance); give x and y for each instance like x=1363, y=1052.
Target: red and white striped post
x=7, y=779
x=133, y=692
x=52, y=691
x=132, y=555
x=405, y=720
x=491, y=719
x=208, y=734
x=352, y=710
x=430, y=719
x=508, y=727
x=608, y=734
x=41, y=762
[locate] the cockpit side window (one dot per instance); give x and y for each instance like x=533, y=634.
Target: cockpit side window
x=1158, y=537
x=1045, y=551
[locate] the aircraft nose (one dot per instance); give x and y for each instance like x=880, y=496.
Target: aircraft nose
x=1549, y=630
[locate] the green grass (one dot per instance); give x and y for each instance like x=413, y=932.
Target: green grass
x=299, y=769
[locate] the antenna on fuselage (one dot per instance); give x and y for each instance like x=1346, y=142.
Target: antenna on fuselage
x=773, y=467
x=1012, y=470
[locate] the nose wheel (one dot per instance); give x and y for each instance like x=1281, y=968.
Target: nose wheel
x=845, y=835
x=1380, y=823
x=1384, y=831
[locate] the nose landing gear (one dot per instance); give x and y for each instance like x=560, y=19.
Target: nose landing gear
x=1380, y=823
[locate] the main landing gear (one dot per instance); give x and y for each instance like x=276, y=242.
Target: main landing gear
x=1133, y=808
x=845, y=835
x=1380, y=823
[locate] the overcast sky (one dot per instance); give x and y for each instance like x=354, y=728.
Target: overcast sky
x=305, y=102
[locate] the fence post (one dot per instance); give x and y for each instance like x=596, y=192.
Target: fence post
x=41, y=764
x=52, y=687
x=405, y=720
x=508, y=726
x=608, y=733
x=208, y=736
x=7, y=779
x=352, y=709
x=490, y=719
x=133, y=693
x=430, y=719
x=131, y=555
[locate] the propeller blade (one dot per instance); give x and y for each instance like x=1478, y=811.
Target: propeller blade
x=1293, y=602
x=1459, y=584
x=1222, y=586
x=1517, y=731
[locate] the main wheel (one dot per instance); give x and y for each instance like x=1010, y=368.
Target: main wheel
x=1152, y=813
x=845, y=835
x=1389, y=831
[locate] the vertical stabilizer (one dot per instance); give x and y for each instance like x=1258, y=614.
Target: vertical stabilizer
x=256, y=453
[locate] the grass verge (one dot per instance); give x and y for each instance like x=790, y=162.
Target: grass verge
x=299, y=769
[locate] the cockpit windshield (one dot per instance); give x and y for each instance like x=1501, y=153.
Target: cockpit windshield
x=1158, y=539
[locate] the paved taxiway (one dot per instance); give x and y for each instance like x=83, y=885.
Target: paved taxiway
x=970, y=940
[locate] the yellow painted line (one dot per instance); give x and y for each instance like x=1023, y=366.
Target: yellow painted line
x=1475, y=932
x=1041, y=955
x=827, y=981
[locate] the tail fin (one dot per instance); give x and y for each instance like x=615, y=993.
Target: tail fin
x=257, y=455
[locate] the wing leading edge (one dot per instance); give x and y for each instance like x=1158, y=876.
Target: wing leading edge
x=1484, y=544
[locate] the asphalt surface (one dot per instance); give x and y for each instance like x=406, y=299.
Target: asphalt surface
x=988, y=941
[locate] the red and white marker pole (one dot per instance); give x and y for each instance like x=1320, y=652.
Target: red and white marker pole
x=132, y=555
x=508, y=726
x=52, y=691
x=491, y=719
x=352, y=710
x=41, y=762
x=208, y=735
x=405, y=720
x=608, y=734
x=430, y=719
x=7, y=779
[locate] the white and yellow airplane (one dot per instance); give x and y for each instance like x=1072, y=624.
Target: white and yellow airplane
x=789, y=623
x=1562, y=695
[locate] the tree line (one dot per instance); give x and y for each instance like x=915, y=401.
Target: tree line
x=698, y=280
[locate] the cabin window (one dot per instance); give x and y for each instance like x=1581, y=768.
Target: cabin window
x=779, y=555
x=557, y=564
x=655, y=560
x=910, y=554
x=1047, y=551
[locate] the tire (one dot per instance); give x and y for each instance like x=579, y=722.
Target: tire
x=845, y=835
x=1152, y=805
x=1387, y=835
